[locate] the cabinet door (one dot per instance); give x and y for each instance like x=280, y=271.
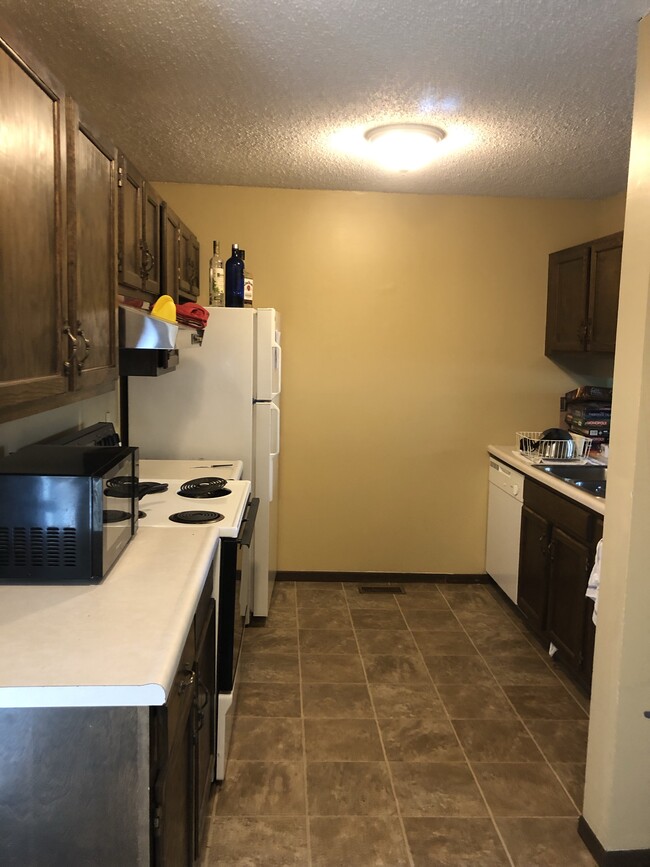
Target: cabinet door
x=33, y=300
x=569, y=573
x=603, y=292
x=532, y=592
x=206, y=723
x=92, y=276
x=185, y=267
x=151, y=248
x=195, y=258
x=130, y=242
x=170, y=243
x=568, y=295
x=174, y=786
x=174, y=846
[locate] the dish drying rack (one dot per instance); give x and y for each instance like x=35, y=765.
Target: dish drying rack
x=538, y=451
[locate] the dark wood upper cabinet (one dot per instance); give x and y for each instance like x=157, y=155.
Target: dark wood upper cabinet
x=170, y=244
x=152, y=246
x=604, y=280
x=34, y=347
x=582, y=303
x=139, y=234
x=130, y=210
x=188, y=286
x=92, y=275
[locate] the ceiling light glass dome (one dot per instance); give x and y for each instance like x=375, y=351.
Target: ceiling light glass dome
x=404, y=147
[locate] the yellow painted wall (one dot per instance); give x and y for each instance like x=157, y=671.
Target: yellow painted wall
x=413, y=335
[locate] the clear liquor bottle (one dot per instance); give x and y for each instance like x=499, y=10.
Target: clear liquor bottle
x=217, y=284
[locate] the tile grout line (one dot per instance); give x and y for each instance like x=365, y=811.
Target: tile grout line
x=521, y=719
x=400, y=818
x=462, y=748
x=304, y=734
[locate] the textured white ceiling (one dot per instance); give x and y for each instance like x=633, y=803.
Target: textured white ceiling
x=535, y=95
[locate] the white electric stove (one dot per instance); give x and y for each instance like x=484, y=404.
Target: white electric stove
x=227, y=505
x=220, y=500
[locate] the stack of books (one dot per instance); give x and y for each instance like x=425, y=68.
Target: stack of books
x=588, y=412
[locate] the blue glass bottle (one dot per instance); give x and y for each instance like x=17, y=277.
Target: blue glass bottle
x=235, y=279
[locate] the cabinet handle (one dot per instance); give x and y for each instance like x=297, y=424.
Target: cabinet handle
x=67, y=365
x=543, y=547
x=187, y=681
x=582, y=332
x=202, y=705
x=148, y=262
x=87, y=347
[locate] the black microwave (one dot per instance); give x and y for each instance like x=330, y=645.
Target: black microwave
x=66, y=512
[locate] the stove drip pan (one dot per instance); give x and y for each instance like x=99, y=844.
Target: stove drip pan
x=203, y=494
x=207, y=487
x=196, y=516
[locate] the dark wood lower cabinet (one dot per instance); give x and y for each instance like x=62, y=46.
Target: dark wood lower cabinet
x=173, y=765
x=532, y=595
x=570, y=565
x=108, y=786
x=206, y=723
x=558, y=543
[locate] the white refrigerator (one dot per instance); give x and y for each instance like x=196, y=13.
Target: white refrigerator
x=223, y=399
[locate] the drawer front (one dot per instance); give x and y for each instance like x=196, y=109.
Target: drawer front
x=559, y=510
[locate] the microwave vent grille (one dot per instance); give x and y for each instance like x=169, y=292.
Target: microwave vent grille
x=38, y=546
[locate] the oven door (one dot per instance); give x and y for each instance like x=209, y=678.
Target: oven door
x=235, y=591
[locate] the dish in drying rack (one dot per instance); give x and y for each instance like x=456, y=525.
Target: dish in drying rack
x=553, y=445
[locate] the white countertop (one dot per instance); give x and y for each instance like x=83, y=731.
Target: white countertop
x=110, y=644
x=513, y=458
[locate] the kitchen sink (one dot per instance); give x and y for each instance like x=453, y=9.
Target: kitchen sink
x=592, y=479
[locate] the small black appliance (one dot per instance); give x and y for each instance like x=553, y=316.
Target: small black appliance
x=58, y=522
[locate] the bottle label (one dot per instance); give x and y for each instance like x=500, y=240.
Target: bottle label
x=248, y=290
x=217, y=288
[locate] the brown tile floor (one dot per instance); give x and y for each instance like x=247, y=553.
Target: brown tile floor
x=421, y=730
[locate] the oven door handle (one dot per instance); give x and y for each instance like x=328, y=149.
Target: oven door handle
x=245, y=536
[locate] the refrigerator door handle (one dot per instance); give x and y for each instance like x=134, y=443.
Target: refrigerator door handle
x=275, y=449
x=277, y=368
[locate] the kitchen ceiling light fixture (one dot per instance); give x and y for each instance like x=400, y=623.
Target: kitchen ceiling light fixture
x=404, y=147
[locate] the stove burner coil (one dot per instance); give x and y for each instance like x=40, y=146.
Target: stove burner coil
x=115, y=516
x=196, y=517
x=203, y=488
x=129, y=486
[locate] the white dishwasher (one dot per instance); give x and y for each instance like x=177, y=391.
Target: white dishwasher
x=505, y=501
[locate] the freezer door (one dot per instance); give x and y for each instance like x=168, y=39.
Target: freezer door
x=268, y=383
x=265, y=484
